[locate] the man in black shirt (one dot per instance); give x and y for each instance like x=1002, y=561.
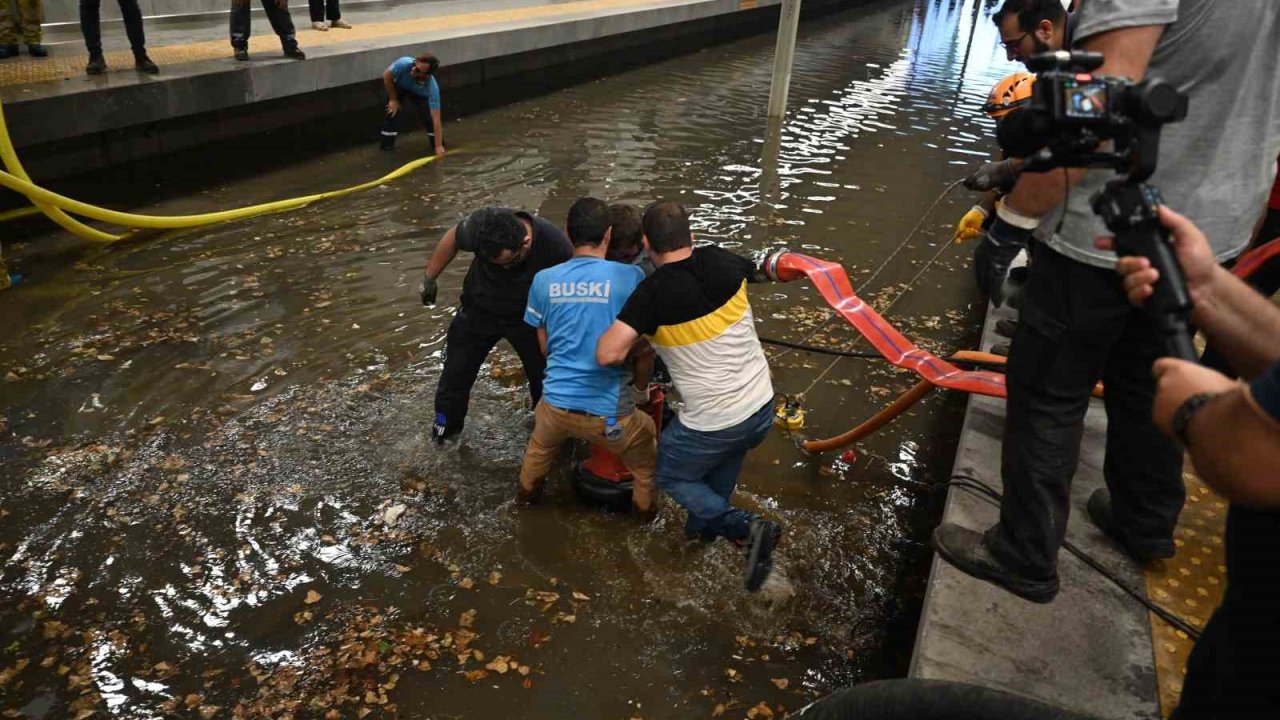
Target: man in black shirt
x=510, y=247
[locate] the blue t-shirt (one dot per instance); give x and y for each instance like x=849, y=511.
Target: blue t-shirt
x=576, y=302
x=404, y=79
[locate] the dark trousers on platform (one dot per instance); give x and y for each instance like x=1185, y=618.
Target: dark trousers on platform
x=391, y=124
x=280, y=19
x=1233, y=669
x=470, y=338
x=322, y=10
x=1076, y=327
x=91, y=25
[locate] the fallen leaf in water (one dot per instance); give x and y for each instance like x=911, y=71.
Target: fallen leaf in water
x=782, y=683
x=495, y=578
x=718, y=711
x=475, y=675
x=403, y=568
x=499, y=665
x=313, y=597
x=522, y=669
x=732, y=674
x=760, y=711
x=466, y=583
x=579, y=596
x=192, y=700
x=565, y=618
x=208, y=711
x=528, y=683
x=468, y=619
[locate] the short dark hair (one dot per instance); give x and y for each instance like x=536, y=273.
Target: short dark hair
x=495, y=229
x=666, y=224
x=626, y=240
x=588, y=222
x=1031, y=12
x=431, y=61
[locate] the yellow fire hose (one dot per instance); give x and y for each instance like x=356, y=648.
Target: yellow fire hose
x=57, y=206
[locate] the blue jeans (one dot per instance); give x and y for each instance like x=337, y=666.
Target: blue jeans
x=700, y=470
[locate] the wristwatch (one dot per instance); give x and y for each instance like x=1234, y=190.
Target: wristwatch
x=1182, y=416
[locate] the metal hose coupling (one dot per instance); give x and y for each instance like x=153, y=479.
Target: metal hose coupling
x=778, y=266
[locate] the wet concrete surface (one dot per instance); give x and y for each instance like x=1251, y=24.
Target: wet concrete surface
x=218, y=498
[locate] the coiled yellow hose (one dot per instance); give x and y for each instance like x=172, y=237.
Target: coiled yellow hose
x=57, y=206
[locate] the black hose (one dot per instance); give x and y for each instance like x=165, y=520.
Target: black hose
x=915, y=699
x=990, y=494
x=866, y=354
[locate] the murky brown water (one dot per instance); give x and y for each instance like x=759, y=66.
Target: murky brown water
x=203, y=435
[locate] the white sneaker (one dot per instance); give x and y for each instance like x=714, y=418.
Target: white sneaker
x=321, y=26
x=340, y=23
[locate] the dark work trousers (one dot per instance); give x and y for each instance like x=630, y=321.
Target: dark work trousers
x=471, y=336
x=1233, y=669
x=281, y=22
x=322, y=10
x=1077, y=327
x=91, y=25
x=391, y=125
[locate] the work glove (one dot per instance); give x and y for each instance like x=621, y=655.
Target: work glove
x=993, y=256
x=970, y=226
x=992, y=175
x=428, y=290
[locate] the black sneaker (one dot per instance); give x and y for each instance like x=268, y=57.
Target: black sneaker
x=97, y=64
x=295, y=52
x=1099, y=508
x=440, y=432
x=8, y=51
x=1006, y=327
x=1001, y=349
x=242, y=54
x=36, y=50
x=144, y=64
x=762, y=538
x=966, y=550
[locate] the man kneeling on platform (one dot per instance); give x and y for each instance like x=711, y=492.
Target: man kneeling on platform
x=571, y=305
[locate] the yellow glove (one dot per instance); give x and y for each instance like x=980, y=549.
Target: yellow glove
x=970, y=226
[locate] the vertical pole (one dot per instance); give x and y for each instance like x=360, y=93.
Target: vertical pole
x=788, y=23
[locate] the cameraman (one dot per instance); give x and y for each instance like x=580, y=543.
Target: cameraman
x=1232, y=431
x=1076, y=324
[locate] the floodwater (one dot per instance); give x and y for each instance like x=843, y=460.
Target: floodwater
x=218, y=497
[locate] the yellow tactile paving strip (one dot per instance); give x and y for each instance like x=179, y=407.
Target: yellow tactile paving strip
x=264, y=43
x=1190, y=584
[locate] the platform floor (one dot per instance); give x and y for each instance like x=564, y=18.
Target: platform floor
x=176, y=43
x=1094, y=650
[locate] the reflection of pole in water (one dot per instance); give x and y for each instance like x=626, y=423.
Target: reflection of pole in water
x=968, y=46
x=788, y=24
x=770, y=181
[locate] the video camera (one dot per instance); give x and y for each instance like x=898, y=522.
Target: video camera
x=1078, y=120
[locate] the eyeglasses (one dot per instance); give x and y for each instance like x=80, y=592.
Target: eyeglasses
x=519, y=255
x=1012, y=45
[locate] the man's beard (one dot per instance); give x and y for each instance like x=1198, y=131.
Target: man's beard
x=1040, y=47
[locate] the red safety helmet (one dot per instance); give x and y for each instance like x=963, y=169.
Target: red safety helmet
x=1011, y=93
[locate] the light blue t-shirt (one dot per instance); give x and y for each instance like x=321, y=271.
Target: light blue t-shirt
x=576, y=302
x=404, y=80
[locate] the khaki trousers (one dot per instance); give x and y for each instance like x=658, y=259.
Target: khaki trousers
x=636, y=444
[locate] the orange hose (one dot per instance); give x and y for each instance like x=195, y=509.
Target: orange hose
x=877, y=421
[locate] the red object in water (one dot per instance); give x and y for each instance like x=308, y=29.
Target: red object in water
x=607, y=466
x=849, y=457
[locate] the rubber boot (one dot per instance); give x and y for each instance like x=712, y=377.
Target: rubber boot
x=37, y=50
x=388, y=142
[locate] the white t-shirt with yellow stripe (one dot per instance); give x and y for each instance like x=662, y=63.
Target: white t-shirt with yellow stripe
x=698, y=318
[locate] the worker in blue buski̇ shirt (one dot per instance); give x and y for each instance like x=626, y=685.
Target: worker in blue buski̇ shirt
x=413, y=79
x=571, y=305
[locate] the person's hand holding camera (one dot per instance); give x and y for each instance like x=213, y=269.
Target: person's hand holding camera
x=1194, y=254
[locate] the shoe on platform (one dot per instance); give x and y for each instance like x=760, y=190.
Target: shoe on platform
x=242, y=54
x=1099, y=508
x=321, y=26
x=295, y=53
x=340, y=23
x=762, y=538
x=1006, y=327
x=8, y=51
x=37, y=50
x=97, y=64
x=965, y=550
x=145, y=65
x=1001, y=349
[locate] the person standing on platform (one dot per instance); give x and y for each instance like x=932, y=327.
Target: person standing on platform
x=30, y=13
x=280, y=19
x=91, y=28
x=326, y=14
x=413, y=79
